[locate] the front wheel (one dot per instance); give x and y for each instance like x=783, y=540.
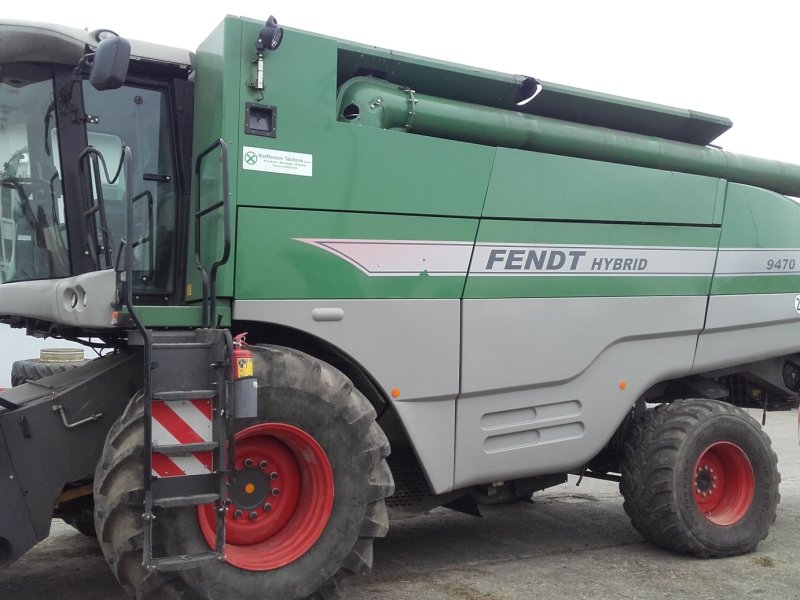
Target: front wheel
x=306, y=503
x=700, y=477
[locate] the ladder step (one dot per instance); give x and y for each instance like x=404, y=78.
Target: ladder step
x=185, y=500
x=180, y=345
x=173, y=396
x=186, y=490
x=176, y=449
x=183, y=561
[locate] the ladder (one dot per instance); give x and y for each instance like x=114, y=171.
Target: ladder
x=188, y=394
x=189, y=434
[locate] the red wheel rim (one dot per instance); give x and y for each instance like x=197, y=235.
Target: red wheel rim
x=723, y=483
x=267, y=529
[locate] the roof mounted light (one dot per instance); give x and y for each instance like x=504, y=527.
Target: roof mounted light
x=269, y=38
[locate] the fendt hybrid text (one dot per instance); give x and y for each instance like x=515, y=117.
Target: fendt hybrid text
x=503, y=279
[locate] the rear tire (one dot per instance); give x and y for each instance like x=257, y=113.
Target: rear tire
x=33, y=369
x=312, y=401
x=700, y=477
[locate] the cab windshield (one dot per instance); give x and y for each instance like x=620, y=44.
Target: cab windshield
x=33, y=233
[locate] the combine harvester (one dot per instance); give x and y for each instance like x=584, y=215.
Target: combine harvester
x=502, y=279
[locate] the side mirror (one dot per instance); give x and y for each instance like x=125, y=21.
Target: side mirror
x=110, y=64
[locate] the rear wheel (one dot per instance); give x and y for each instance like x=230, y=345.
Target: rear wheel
x=700, y=477
x=306, y=503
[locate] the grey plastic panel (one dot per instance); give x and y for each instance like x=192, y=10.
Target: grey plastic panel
x=542, y=377
x=45, y=42
x=410, y=345
x=748, y=328
x=81, y=301
x=17, y=534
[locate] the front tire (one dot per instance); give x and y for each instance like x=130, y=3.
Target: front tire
x=700, y=477
x=308, y=411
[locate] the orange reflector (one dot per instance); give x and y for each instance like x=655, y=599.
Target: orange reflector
x=249, y=488
x=623, y=385
x=396, y=393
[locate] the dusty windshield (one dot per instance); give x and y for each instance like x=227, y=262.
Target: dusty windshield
x=33, y=236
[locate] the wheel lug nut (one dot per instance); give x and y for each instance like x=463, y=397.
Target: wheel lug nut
x=262, y=465
x=273, y=475
x=275, y=492
x=267, y=507
x=248, y=462
x=237, y=514
x=253, y=516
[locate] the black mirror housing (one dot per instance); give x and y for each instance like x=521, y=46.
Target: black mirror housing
x=110, y=64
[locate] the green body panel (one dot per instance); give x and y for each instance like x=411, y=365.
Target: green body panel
x=534, y=178
x=527, y=185
x=179, y=316
x=590, y=234
x=353, y=169
x=272, y=263
x=760, y=219
x=361, y=183
x=217, y=91
x=373, y=171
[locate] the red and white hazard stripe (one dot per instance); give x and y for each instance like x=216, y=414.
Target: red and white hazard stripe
x=182, y=422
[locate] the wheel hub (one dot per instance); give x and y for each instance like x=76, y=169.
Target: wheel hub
x=249, y=489
x=724, y=484
x=705, y=481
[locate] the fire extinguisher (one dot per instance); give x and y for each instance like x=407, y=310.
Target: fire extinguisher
x=245, y=385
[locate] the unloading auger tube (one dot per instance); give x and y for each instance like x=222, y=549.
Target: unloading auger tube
x=376, y=103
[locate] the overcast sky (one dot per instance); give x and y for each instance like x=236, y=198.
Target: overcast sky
x=736, y=60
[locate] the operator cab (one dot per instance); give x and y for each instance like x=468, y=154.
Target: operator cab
x=63, y=187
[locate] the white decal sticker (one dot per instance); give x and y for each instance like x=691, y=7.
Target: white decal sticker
x=758, y=261
x=412, y=257
x=797, y=304
x=277, y=161
x=399, y=257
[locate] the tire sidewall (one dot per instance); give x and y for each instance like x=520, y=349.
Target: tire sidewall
x=745, y=534
x=325, y=421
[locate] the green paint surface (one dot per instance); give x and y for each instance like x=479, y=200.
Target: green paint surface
x=369, y=183
x=530, y=185
x=179, y=316
x=272, y=264
x=757, y=218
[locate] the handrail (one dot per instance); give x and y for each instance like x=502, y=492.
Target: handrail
x=209, y=279
x=147, y=337
x=95, y=202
